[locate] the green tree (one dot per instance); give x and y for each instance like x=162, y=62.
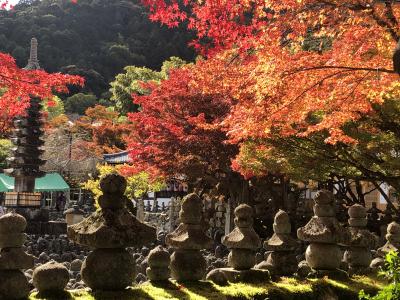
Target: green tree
x=130, y=83
x=55, y=109
x=79, y=103
x=138, y=185
x=5, y=148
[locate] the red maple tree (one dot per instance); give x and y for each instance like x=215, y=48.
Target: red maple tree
x=323, y=60
x=177, y=130
x=17, y=86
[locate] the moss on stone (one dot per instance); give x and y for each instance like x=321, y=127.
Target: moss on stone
x=285, y=289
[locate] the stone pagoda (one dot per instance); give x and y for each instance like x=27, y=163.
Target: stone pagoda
x=392, y=244
x=33, y=62
x=324, y=233
x=280, y=258
x=109, y=231
x=358, y=255
x=187, y=261
x=242, y=242
x=25, y=161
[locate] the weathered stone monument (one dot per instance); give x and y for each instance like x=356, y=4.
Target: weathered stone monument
x=158, y=261
x=324, y=233
x=242, y=242
x=358, y=255
x=187, y=262
x=280, y=258
x=13, y=283
x=109, y=231
x=392, y=244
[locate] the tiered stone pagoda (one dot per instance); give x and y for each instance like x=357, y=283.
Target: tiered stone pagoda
x=25, y=161
x=324, y=233
x=109, y=231
x=187, y=262
x=280, y=258
x=358, y=255
x=242, y=242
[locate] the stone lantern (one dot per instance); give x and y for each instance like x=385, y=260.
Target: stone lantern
x=74, y=215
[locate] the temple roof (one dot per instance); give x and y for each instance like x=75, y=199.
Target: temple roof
x=117, y=158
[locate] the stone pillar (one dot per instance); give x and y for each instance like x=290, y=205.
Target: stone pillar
x=228, y=217
x=358, y=255
x=13, y=283
x=187, y=262
x=242, y=242
x=280, y=258
x=324, y=233
x=140, y=210
x=109, y=231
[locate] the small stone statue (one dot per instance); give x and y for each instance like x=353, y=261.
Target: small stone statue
x=158, y=261
x=110, y=230
x=324, y=233
x=280, y=258
x=187, y=262
x=148, y=206
x=358, y=255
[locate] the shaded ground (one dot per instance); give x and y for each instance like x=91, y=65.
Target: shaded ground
x=285, y=289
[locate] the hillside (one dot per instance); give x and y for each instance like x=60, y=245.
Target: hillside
x=93, y=38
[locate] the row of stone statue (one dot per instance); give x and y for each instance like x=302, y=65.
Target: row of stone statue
x=111, y=229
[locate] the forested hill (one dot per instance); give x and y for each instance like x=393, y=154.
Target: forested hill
x=94, y=38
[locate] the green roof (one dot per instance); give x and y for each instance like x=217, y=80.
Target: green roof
x=51, y=182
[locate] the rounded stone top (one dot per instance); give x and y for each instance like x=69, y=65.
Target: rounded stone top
x=191, y=209
x=243, y=215
x=323, y=197
x=357, y=211
x=393, y=228
x=281, y=217
x=12, y=223
x=282, y=223
x=112, y=184
x=159, y=257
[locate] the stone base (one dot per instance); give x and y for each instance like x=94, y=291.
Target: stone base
x=188, y=265
x=13, y=285
x=246, y=276
x=279, y=263
x=158, y=274
x=108, y=269
x=336, y=274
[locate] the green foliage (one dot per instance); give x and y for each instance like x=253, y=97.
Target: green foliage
x=56, y=109
x=138, y=185
x=391, y=271
x=130, y=83
x=90, y=38
x=5, y=148
x=79, y=103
